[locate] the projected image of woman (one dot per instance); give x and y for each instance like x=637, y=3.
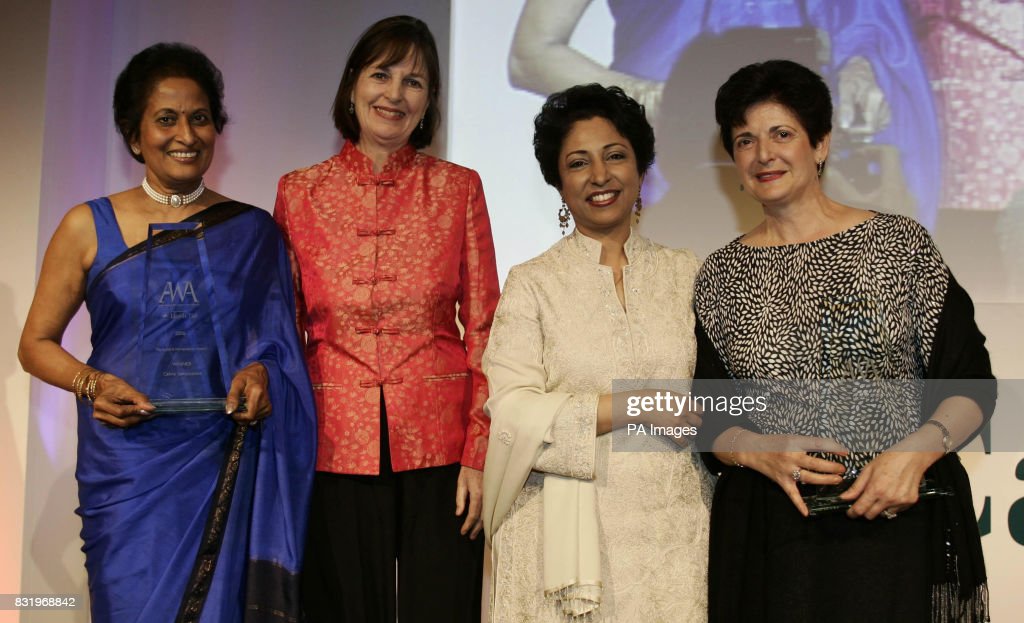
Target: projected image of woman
x=867, y=48
x=578, y=530
x=185, y=516
x=392, y=251
x=824, y=291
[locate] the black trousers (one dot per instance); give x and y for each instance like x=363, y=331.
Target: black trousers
x=387, y=547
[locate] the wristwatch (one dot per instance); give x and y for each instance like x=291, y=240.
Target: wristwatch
x=947, y=440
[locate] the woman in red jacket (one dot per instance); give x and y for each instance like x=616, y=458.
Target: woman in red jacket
x=389, y=245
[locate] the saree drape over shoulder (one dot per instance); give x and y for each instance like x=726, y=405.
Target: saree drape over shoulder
x=189, y=517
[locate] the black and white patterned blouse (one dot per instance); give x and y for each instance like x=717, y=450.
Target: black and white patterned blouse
x=863, y=304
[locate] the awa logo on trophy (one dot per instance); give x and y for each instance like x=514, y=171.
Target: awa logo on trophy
x=181, y=341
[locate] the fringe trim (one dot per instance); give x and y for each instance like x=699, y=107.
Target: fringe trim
x=578, y=602
x=949, y=607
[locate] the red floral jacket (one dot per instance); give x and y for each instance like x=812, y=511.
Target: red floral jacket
x=380, y=262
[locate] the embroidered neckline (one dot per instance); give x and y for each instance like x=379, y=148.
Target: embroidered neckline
x=590, y=249
x=359, y=163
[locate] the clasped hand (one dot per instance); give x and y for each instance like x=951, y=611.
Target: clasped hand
x=888, y=483
x=785, y=459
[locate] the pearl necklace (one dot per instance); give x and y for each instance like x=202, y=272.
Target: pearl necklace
x=175, y=201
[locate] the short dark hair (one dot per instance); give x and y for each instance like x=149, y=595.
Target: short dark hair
x=783, y=82
x=163, y=60
x=587, y=101
x=388, y=42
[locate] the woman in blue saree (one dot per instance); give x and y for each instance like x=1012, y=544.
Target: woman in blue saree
x=187, y=515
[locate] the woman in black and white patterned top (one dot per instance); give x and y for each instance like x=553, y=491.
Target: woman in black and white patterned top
x=816, y=300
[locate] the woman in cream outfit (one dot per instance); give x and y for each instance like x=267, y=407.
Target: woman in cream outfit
x=580, y=532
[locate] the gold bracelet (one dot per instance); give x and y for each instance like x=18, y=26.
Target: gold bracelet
x=732, y=449
x=90, y=393
x=84, y=388
x=79, y=382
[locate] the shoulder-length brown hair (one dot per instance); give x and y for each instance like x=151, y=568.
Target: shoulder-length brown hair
x=386, y=43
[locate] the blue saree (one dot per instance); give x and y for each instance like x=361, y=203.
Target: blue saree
x=190, y=517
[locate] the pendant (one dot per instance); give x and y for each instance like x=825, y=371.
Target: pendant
x=176, y=201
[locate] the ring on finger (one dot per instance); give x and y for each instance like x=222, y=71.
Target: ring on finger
x=796, y=474
x=888, y=514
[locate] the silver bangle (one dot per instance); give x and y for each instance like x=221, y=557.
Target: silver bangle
x=947, y=439
x=732, y=449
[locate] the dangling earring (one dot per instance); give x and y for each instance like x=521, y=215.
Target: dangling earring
x=421, y=121
x=351, y=108
x=741, y=186
x=637, y=208
x=563, y=217
x=821, y=167
x=136, y=150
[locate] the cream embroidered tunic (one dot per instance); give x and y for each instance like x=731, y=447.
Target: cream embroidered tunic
x=560, y=336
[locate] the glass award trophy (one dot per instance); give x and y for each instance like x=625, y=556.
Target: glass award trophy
x=181, y=344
